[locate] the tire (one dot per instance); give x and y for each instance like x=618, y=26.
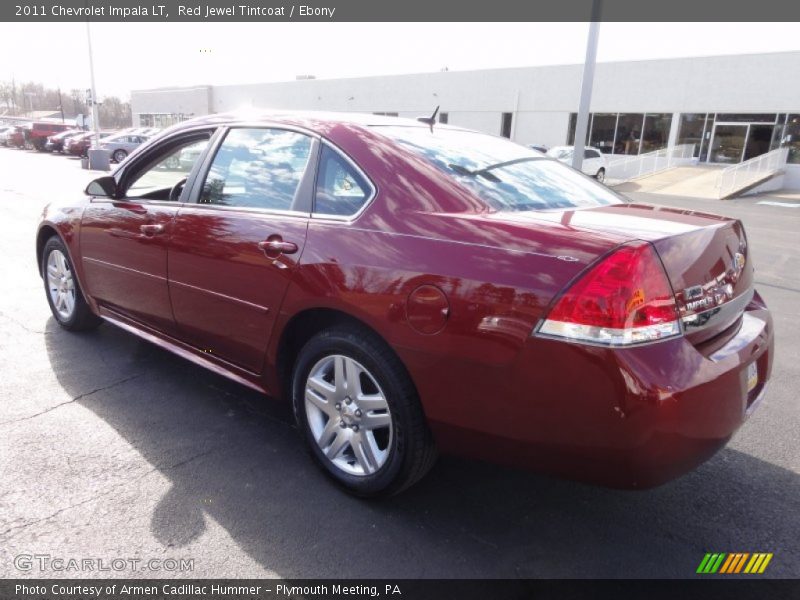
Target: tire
x=62, y=290
x=397, y=455
x=120, y=155
x=601, y=175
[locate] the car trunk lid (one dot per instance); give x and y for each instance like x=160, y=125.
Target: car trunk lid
x=705, y=256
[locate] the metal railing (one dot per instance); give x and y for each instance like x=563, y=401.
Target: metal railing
x=749, y=172
x=639, y=165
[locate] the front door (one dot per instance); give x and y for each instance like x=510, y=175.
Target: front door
x=124, y=241
x=728, y=142
x=759, y=140
x=235, y=246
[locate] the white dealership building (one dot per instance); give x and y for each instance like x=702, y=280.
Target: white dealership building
x=730, y=108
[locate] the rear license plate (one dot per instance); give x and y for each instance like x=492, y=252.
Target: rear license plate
x=752, y=376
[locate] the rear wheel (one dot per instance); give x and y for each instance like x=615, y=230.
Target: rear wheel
x=120, y=155
x=64, y=295
x=359, y=413
x=601, y=175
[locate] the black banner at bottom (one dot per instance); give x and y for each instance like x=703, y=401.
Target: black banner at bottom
x=363, y=589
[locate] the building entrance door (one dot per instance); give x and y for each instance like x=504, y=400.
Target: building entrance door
x=759, y=139
x=728, y=141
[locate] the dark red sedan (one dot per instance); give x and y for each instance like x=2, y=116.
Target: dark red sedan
x=410, y=288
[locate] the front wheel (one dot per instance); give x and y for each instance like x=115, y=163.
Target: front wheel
x=120, y=155
x=358, y=410
x=64, y=295
x=601, y=175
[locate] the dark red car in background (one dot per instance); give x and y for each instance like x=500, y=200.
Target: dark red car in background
x=36, y=133
x=16, y=138
x=410, y=288
x=55, y=143
x=79, y=145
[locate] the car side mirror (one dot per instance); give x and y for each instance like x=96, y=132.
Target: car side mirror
x=103, y=186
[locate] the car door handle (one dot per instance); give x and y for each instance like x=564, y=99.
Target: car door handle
x=275, y=246
x=151, y=228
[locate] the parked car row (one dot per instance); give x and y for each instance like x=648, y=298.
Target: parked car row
x=61, y=138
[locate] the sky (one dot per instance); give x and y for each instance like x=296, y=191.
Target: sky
x=141, y=55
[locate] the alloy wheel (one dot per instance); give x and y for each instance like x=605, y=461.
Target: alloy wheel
x=61, y=284
x=348, y=415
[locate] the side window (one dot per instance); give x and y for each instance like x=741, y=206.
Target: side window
x=591, y=154
x=156, y=179
x=341, y=190
x=257, y=168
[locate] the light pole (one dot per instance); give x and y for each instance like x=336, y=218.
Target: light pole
x=30, y=96
x=582, y=123
x=95, y=118
x=98, y=159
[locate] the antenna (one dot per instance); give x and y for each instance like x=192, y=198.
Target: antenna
x=429, y=121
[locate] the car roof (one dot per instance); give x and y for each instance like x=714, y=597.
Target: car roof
x=309, y=119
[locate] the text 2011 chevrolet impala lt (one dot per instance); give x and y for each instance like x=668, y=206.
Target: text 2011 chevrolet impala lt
x=412, y=288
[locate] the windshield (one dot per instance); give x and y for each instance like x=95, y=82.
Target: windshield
x=505, y=175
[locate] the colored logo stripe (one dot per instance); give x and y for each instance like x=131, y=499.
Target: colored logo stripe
x=710, y=563
x=758, y=563
x=734, y=563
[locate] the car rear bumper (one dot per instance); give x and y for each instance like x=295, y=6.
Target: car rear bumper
x=631, y=418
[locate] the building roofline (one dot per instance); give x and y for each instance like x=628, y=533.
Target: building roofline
x=465, y=71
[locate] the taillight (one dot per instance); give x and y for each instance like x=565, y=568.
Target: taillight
x=625, y=299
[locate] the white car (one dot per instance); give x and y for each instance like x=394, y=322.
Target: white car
x=594, y=163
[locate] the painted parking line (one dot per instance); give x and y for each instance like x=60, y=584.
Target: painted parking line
x=784, y=204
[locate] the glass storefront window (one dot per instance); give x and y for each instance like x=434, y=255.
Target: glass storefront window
x=603, y=129
x=629, y=133
x=691, y=130
x=573, y=120
x=791, y=138
x=656, y=131
x=747, y=117
x=626, y=133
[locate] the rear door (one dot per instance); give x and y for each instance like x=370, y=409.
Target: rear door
x=124, y=240
x=235, y=246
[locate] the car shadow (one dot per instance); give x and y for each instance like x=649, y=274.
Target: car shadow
x=235, y=456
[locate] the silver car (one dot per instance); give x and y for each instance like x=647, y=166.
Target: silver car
x=121, y=145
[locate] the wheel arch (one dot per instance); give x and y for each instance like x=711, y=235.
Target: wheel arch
x=45, y=232
x=302, y=326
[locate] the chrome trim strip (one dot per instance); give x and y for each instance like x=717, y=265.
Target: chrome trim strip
x=257, y=307
x=245, y=210
x=121, y=268
x=614, y=337
x=730, y=311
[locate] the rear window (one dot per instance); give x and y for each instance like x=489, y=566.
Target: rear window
x=507, y=176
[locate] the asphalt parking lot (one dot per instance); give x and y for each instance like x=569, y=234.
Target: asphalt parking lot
x=112, y=448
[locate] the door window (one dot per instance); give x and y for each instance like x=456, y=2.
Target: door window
x=258, y=168
x=156, y=180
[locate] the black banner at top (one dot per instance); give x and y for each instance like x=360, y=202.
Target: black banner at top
x=398, y=11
